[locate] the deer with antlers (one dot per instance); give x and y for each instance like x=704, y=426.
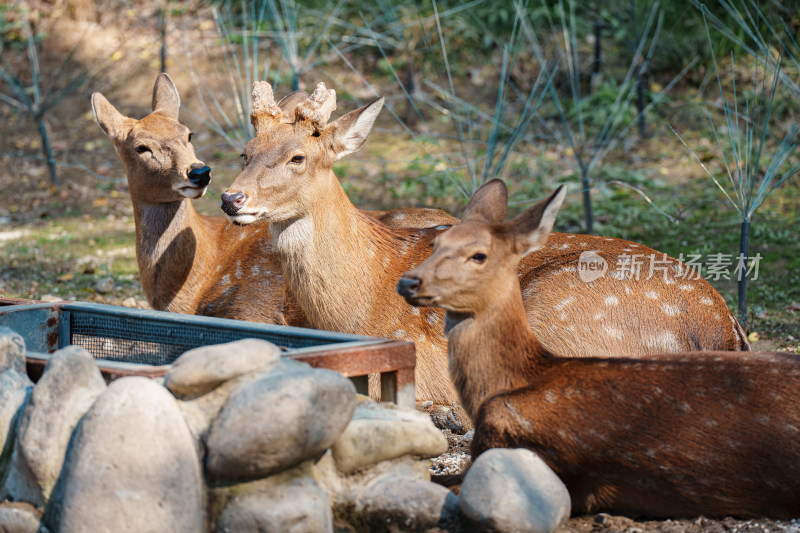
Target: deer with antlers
x=188, y=262
x=343, y=266
x=673, y=435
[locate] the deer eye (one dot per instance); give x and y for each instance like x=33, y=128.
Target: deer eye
x=190, y=136
x=478, y=258
x=298, y=159
x=141, y=149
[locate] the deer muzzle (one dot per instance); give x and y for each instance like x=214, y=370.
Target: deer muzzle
x=408, y=286
x=232, y=202
x=200, y=177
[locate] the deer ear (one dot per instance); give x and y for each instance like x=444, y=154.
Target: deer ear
x=351, y=130
x=111, y=120
x=165, y=97
x=533, y=226
x=489, y=203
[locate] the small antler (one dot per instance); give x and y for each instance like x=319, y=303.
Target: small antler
x=264, y=107
x=318, y=107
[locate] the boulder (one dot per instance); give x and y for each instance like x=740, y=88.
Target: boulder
x=513, y=490
x=14, y=390
x=290, y=502
x=12, y=350
x=392, y=496
x=131, y=466
x=200, y=370
x=68, y=387
x=379, y=432
x=18, y=518
x=278, y=421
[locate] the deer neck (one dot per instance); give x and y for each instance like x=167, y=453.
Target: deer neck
x=332, y=257
x=491, y=350
x=170, y=243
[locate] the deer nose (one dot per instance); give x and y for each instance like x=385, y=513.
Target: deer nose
x=408, y=286
x=232, y=202
x=200, y=176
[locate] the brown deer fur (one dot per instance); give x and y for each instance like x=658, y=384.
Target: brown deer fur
x=682, y=434
x=343, y=266
x=188, y=262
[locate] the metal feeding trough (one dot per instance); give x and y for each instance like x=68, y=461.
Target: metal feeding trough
x=128, y=342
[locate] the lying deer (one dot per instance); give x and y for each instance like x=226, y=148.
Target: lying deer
x=343, y=266
x=683, y=434
x=188, y=262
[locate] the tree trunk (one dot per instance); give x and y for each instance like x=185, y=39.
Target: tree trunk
x=48, y=152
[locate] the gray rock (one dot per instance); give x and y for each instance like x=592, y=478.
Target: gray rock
x=12, y=350
x=18, y=518
x=397, y=503
x=131, y=466
x=200, y=411
x=290, y=502
x=68, y=387
x=200, y=370
x=393, y=496
x=14, y=390
x=379, y=432
x=513, y=490
x=277, y=422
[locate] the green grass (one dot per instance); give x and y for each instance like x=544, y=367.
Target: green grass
x=65, y=257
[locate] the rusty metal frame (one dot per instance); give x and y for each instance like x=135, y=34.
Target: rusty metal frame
x=355, y=357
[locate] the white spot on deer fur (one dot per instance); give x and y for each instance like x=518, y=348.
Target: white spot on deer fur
x=710, y=422
x=565, y=302
x=628, y=290
x=618, y=274
x=254, y=270
x=550, y=396
x=608, y=239
x=415, y=311
x=385, y=261
x=611, y=300
x=705, y=300
x=522, y=421
x=599, y=316
x=627, y=250
x=421, y=338
x=791, y=428
x=564, y=246
x=219, y=267
x=633, y=245
x=668, y=281
x=238, y=272
x=570, y=236
x=226, y=280
x=399, y=333
x=562, y=315
x=666, y=341
x=686, y=287
x=614, y=333
x=583, y=244
x=653, y=295
x=717, y=316
x=671, y=310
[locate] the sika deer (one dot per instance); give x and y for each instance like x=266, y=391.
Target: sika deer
x=682, y=434
x=343, y=266
x=188, y=262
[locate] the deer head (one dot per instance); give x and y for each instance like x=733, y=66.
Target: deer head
x=157, y=151
x=289, y=163
x=480, y=256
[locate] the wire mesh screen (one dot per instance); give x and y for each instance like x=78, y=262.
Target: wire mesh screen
x=135, y=340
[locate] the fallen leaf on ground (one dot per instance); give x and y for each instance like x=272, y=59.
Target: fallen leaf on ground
x=65, y=277
x=794, y=306
x=754, y=336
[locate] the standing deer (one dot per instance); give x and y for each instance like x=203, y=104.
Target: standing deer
x=681, y=434
x=343, y=266
x=188, y=262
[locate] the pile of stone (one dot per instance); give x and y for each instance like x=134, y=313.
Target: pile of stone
x=238, y=439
